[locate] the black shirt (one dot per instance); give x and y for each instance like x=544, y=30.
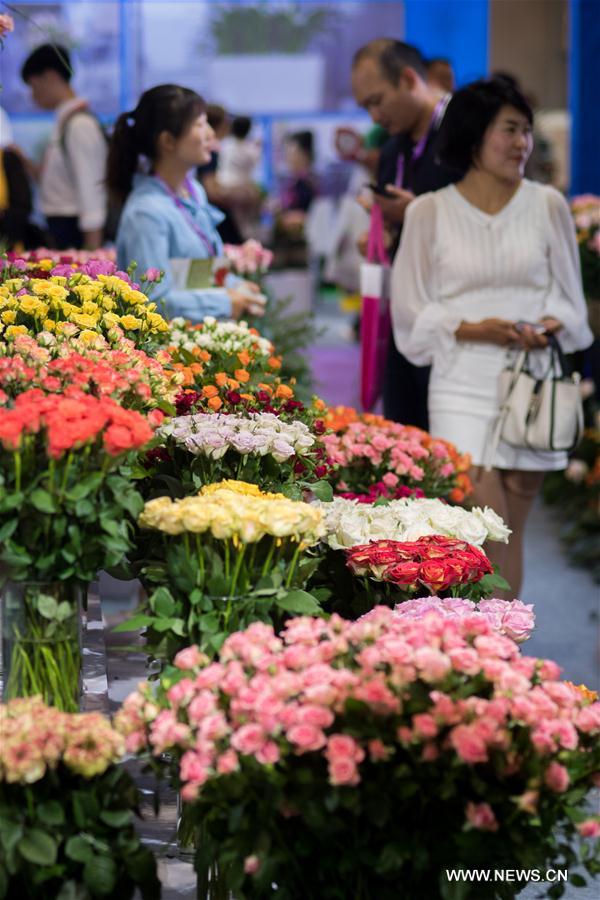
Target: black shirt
x=421, y=175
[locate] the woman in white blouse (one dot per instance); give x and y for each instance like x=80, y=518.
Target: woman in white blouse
x=479, y=260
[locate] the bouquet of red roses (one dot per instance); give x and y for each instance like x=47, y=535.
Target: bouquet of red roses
x=434, y=565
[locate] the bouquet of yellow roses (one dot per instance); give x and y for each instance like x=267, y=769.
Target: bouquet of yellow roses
x=226, y=557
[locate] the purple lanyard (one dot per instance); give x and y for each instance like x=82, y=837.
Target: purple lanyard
x=419, y=148
x=186, y=213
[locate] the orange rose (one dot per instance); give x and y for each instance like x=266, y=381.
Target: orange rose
x=244, y=357
x=209, y=391
x=267, y=388
x=221, y=378
x=284, y=391
x=275, y=362
x=233, y=384
x=242, y=375
x=215, y=403
x=248, y=397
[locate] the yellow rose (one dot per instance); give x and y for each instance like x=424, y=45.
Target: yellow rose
x=14, y=284
x=157, y=323
x=8, y=317
x=59, y=279
x=130, y=323
x=43, y=288
x=133, y=297
x=13, y=330
x=49, y=325
x=87, y=292
x=110, y=319
x=117, y=285
x=83, y=321
x=45, y=264
x=89, y=337
x=31, y=306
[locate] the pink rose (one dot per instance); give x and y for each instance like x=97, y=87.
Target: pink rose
x=425, y=725
x=468, y=744
x=268, y=754
x=152, y=274
x=588, y=719
x=315, y=715
x=433, y=664
x=306, y=737
x=342, y=770
x=589, y=829
x=378, y=752
x=201, y=706
x=248, y=739
x=181, y=692
x=557, y=778
x=251, y=865
x=228, y=762
x=192, y=768
x=342, y=746
x=481, y=816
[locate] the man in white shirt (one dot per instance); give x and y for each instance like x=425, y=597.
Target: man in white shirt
x=71, y=176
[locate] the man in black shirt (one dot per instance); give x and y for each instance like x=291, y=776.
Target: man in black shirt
x=389, y=79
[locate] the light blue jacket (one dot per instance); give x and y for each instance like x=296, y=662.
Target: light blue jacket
x=153, y=230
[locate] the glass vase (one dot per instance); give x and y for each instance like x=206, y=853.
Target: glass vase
x=41, y=641
x=211, y=885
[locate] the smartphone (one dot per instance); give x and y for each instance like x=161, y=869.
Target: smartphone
x=537, y=327
x=382, y=192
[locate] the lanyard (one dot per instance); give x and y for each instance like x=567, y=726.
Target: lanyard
x=186, y=213
x=419, y=148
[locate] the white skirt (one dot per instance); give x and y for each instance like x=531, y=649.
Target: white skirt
x=464, y=405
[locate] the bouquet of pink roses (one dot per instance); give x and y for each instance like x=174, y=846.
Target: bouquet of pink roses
x=378, y=753
x=67, y=809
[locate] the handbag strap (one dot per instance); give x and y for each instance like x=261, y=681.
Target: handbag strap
x=376, y=251
x=492, y=444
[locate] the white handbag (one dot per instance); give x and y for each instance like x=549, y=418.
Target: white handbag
x=538, y=412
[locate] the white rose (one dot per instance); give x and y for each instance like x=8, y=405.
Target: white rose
x=496, y=527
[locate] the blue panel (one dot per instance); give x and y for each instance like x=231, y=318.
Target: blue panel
x=455, y=29
x=583, y=100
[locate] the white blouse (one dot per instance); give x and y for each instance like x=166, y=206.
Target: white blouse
x=456, y=263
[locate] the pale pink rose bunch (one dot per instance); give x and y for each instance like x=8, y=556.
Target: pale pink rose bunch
x=393, y=454
x=37, y=738
x=450, y=692
x=249, y=258
x=512, y=618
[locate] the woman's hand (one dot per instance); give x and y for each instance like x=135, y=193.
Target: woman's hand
x=489, y=331
x=245, y=302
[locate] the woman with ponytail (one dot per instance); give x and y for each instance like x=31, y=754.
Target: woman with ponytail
x=166, y=214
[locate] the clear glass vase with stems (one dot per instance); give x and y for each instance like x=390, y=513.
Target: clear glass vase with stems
x=41, y=641
x=212, y=885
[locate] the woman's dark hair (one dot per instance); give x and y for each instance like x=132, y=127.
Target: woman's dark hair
x=470, y=113
x=240, y=127
x=167, y=107
x=47, y=57
x=305, y=141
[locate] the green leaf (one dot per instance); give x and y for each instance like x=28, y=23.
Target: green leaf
x=86, y=486
x=134, y=624
x=175, y=625
x=299, y=602
x=64, y=611
x=51, y=812
x=8, y=529
x=162, y=602
x=78, y=849
x=116, y=818
x=43, y=501
x=577, y=880
x=100, y=875
x=322, y=491
x=47, y=606
x=38, y=847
